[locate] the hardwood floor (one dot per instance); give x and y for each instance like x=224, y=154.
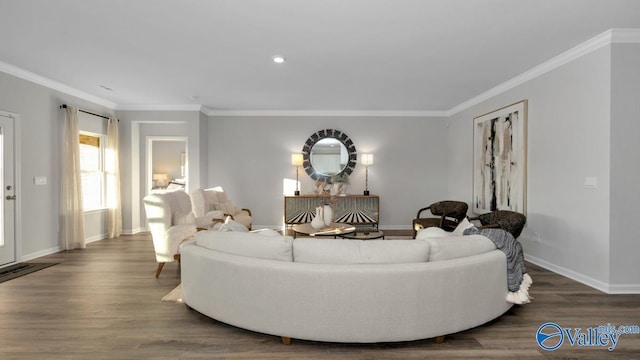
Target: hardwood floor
x=104, y=303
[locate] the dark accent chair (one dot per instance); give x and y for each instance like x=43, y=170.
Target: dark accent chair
x=449, y=213
x=508, y=220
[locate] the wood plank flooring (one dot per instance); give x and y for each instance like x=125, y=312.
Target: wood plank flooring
x=104, y=303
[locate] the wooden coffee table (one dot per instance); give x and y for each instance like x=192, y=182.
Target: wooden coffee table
x=336, y=229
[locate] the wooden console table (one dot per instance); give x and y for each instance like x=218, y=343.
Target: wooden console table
x=350, y=209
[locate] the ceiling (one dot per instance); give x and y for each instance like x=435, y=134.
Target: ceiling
x=341, y=55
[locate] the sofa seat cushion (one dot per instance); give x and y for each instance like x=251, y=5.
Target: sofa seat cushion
x=247, y=244
x=339, y=251
x=451, y=247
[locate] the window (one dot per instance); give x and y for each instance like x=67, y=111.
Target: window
x=92, y=170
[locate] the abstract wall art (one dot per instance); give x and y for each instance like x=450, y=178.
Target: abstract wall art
x=500, y=159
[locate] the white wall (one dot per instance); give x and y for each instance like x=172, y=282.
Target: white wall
x=568, y=140
x=250, y=157
x=625, y=171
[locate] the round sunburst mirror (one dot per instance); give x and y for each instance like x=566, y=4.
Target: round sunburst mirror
x=327, y=153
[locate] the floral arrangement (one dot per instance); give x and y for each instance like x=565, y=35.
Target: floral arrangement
x=340, y=178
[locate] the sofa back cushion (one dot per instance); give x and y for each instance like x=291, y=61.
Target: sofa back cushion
x=339, y=251
x=451, y=247
x=247, y=244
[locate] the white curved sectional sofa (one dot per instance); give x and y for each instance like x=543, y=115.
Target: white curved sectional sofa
x=344, y=290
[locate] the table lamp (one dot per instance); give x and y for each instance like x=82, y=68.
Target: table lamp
x=297, y=160
x=367, y=160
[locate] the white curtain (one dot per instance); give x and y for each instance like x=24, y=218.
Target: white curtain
x=112, y=169
x=71, y=212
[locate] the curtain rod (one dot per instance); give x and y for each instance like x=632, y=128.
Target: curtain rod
x=64, y=106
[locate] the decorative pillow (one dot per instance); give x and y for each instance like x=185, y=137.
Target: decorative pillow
x=453, y=247
x=432, y=231
x=230, y=225
x=462, y=226
x=323, y=251
x=247, y=244
x=227, y=207
x=215, y=214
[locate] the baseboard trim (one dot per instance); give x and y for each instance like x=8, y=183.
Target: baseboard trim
x=624, y=289
x=134, y=231
x=94, y=238
x=573, y=275
x=41, y=253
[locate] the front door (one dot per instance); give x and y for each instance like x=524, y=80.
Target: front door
x=8, y=201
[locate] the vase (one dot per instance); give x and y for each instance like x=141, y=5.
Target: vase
x=338, y=189
x=327, y=213
x=318, y=221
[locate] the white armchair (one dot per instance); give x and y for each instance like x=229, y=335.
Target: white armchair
x=171, y=221
x=214, y=203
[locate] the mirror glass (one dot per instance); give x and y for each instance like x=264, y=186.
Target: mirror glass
x=329, y=156
x=328, y=152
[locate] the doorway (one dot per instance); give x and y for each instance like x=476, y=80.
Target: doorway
x=7, y=184
x=167, y=163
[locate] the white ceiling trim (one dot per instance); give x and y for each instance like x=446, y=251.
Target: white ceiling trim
x=626, y=36
x=353, y=113
x=52, y=84
x=175, y=107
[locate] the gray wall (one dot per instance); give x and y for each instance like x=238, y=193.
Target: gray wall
x=625, y=160
x=568, y=140
x=250, y=157
x=39, y=148
x=135, y=127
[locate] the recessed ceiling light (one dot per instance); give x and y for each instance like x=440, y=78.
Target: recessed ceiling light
x=278, y=59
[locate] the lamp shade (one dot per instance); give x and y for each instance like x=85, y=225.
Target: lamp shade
x=296, y=159
x=367, y=159
x=160, y=177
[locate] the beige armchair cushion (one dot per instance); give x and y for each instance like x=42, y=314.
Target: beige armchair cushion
x=206, y=201
x=170, y=222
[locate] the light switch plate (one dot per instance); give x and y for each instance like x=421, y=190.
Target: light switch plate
x=40, y=180
x=590, y=182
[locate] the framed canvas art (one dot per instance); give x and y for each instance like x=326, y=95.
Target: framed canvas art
x=500, y=159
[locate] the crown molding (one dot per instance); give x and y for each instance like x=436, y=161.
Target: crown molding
x=52, y=84
x=576, y=52
x=156, y=107
x=625, y=36
x=608, y=37
x=347, y=113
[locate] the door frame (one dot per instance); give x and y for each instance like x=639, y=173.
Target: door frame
x=17, y=185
